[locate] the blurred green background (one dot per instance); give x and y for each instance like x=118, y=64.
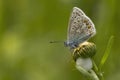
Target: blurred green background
x=27, y=26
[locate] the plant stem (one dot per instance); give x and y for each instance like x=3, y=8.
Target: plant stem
x=90, y=74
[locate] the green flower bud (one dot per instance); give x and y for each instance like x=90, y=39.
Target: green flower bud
x=84, y=50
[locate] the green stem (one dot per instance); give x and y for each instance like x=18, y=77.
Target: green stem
x=95, y=68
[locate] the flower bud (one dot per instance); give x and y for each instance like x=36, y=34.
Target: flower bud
x=84, y=50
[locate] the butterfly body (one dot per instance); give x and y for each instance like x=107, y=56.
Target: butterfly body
x=72, y=45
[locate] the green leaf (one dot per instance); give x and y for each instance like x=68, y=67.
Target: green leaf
x=107, y=52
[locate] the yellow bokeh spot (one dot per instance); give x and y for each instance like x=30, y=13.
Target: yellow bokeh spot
x=11, y=44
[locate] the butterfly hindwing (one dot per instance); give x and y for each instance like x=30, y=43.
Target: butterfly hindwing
x=80, y=27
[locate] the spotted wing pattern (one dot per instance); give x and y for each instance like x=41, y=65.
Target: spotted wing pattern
x=80, y=27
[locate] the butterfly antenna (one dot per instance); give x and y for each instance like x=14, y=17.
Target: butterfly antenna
x=56, y=41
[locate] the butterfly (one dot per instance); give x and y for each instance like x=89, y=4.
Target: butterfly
x=80, y=29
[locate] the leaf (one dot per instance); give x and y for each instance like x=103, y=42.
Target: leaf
x=107, y=52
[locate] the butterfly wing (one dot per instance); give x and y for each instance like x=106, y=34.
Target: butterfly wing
x=80, y=27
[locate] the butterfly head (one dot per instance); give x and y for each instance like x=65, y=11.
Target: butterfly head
x=72, y=45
